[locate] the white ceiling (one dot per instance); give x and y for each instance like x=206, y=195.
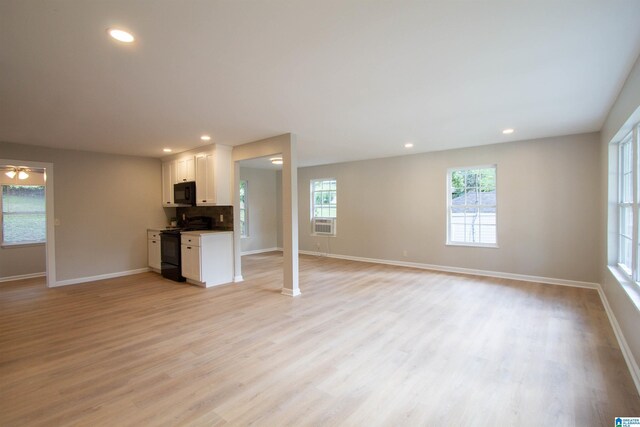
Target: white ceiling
x=260, y=163
x=352, y=79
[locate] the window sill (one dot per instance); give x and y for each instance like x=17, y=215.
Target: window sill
x=474, y=245
x=21, y=245
x=631, y=288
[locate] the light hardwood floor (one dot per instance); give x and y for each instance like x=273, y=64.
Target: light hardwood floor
x=364, y=345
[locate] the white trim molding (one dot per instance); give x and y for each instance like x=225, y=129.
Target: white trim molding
x=260, y=251
x=461, y=270
x=622, y=342
x=22, y=276
x=291, y=293
x=238, y=279
x=101, y=277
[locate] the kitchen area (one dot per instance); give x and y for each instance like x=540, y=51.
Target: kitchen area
x=196, y=247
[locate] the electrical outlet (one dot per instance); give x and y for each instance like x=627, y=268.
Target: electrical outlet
x=221, y=218
x=318, y=245
x=405, y=253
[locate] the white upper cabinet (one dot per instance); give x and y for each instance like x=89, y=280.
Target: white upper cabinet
x=213, y=177
x=205, y=188
x=186, y=170
x=168, y=179
x=210, y=169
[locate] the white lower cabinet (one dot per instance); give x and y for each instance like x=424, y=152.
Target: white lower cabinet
x=207, y=257
x=153, y=244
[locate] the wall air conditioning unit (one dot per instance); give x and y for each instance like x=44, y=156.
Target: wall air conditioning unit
x=324, y=226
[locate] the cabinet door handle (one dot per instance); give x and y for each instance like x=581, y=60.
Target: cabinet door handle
x=204, y=200
x=188, y=247
x=153, y=241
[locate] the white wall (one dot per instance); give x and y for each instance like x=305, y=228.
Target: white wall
x=626, y=311
x=547, y=208
x=22, y=260
x=104, y=204
x=262, y=204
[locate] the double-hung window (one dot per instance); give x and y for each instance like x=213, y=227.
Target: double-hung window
x=628, y=197
x=23, y=214
x=324, y=198
x=471, y=206
x=244, y=209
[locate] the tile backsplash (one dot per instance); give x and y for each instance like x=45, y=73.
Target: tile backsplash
x=211, y=211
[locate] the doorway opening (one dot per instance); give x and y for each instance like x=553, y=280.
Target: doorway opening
x=26, y=221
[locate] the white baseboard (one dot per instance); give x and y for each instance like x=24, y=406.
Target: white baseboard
x=470, y=271
x=22, y=276
x=100, y=277
x=291, y=293
x=259, y=251
x=622, y=342
x=238, y=278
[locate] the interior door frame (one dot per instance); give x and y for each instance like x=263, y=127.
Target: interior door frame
x=50, y=244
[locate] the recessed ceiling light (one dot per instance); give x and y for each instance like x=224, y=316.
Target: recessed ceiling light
x=276, y=160
x=166, y=150
x=205, y=138
x=121, y=35
x=408, y=145
x=508, y=131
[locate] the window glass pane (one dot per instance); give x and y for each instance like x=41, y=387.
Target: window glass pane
x=323, y=198
x=488, y=216
x=24, y=228
x=488, y=180
x=472, y=196
x=24, y=218
x=472, y=225
x=470, y=189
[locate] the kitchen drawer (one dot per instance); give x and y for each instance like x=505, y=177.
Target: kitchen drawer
x=153, y=235
x=192, y=240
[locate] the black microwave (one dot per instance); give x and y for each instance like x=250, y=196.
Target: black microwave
x=184, y=193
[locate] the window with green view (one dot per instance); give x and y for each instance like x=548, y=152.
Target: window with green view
x=471, y=206
x=23, y=214
x=324, y=200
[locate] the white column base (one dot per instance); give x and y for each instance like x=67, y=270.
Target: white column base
x=238, y=279
x=291, y=292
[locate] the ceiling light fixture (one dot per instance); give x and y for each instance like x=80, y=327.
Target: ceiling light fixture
x=205, y=138
x=166, y=150
x=121, y=35
x=21, y=172
x=276, y=160
x=408, y=145
x=508, y=131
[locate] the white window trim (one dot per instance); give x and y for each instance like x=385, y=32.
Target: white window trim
x=448, y=241
x=26, y=243
x=632, y=276
x=311, y=207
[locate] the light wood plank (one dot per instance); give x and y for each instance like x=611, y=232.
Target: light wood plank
x=365, y=344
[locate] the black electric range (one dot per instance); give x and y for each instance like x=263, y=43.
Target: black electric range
x=170, y=253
